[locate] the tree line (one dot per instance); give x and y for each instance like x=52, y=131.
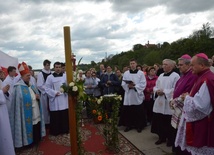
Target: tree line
x=199, y=41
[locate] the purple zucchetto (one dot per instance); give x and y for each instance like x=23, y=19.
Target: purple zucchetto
x=186, y=56
x=202, y=55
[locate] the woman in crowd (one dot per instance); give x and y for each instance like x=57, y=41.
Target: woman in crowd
x=109, y=82
x=148, y=92
x=89, y=85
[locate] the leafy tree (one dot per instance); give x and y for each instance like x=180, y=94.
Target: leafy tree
x=137, y=47
x=93, y=64
x=199, y=41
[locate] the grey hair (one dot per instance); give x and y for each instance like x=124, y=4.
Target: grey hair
x=171, y=62
x=186, y=61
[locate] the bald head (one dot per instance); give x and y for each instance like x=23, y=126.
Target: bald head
x=199, y=64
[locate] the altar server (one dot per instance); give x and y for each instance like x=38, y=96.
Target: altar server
x=134, y=83
x=10, y=80
x=58, y=101
x=163, y=90
x=41, y=78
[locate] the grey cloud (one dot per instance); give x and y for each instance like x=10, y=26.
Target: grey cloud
x=135, y=6
x=59, y=1
x=107, y=28
x=182, y=20
x=7, y=4
x=30, y=45
x=36, y=13
x=86, y=32
x=188, y=6
x=173, y=6
x=6, y=32
x=96, y=44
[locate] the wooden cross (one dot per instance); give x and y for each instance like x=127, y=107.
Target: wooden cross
x=71, y=100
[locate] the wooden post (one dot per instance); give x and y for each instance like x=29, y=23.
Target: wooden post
x=71, y=100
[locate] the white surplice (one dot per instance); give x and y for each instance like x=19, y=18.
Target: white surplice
x=32, y=80
x=43, y=95
x=6, y=141
x=52, y=86
x=9, y=81
x=134, y=96
x=193, y=110
x=167, y=84
x=0, y=84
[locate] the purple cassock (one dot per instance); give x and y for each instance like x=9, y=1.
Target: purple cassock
x=204, y=126
x=184, y=84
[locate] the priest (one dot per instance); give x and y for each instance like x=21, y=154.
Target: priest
x=195, y=131
x=26, y=117
x=183, y=85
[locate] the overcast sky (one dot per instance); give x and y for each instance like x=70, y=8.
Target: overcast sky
x=32, y=30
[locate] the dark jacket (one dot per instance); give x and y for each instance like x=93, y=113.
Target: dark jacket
x=110, y=89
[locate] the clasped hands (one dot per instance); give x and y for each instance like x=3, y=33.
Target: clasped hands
x=181, y=98
x=37, y=96
x=160, y=92
x=6, y=88
x=108, y=83
x=131, y=85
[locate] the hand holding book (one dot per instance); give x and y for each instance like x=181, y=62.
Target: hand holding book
x=128, y=81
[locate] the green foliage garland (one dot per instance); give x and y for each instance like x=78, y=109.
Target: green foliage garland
x=105, y=109
x=76, y=90
x=111, y=109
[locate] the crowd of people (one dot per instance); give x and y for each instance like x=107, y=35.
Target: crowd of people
x=176, y=99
